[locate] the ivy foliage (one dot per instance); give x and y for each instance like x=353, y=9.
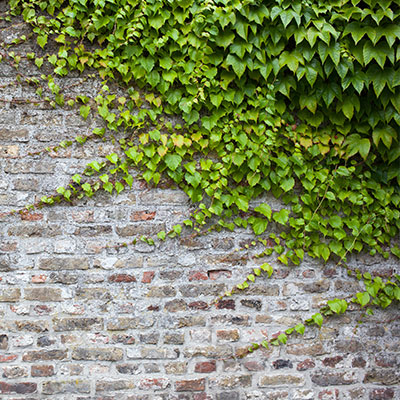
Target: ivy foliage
x=297, y=98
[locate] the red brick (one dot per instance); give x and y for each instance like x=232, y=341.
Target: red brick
x=153, y=384
x=143, y=215
x=42, y=370
x=20, y=387
x=198, y=276
x=117, y=278
x=147, y=276
x=7, y=358
x=205, y=366
x=198, y=305
x=305, y=365
x=219, y=273
x=31, y=217
x=253, y=366
x=39, y=278
x=192, y=385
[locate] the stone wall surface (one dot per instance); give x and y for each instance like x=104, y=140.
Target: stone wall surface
x=83, y=319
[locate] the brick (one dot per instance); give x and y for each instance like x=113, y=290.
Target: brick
x=174, y=338
x=129, y=369
x=73, y=324
x=228, y=396
x=20, y=387
x=231, y=335
x=43, y=294
x=279, y=364
x=161, y=291
x=221, y=351
x=112, y=386
x=147, y=276
x=10, y=295
x=29, y=167
x=3, y=342
x=47, y=355
x=332, y=361
x=73, y=386
x=257, y=304
x=381, y=394
x=143, y=215
x=10, y=151
x=383, y=376
x=14, y=372
x=197, y=276
x=280, y=380
x=39, y=278
x=176, y=368
x=230, y=382
x=56, y=264
x=124, y=323
x=14, y=135
x=28, y=230
x=29, y=216
x=305, y=365
x=7, y=357
x=92, y=293
x=215, y=274
x=226, y=304
x=190, y=385
x=152, y=353
x=32, y=326
x=201, y=290
x=230, y=319
x=138, y=229
x=149, y=338
x=301, y=349
x=198, y=305
x=154, y=384
x=42, y=370
x=124, y=278
x=331, y=378
x=175, y=305
x=205, y=367
x=97, y=354
x=125, y=339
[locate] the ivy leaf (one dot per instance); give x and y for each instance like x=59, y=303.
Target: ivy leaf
x=265, y=210
x=259, y=225
x=318, y=319
x=173, y=161
x=363, y=298
x=299, y=328
x=237, y=64
x=282, y=216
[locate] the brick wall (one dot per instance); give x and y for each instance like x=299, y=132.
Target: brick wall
x=82, y=319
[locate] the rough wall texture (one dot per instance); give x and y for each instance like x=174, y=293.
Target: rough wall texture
x=80, y=319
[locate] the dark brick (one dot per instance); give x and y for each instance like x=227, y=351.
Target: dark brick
x=358, y=362
x=305, y=365
x=381, y=394
x=252, y=304
x=228, y=396
x=129, y=369
x=226, y=304
x=332, y=361
x=32, y=326
x=198, y=305
x=3, y=342
x=44, y=341
x=278, y=364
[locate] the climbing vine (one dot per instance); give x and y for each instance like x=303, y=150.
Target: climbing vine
x=232, y=99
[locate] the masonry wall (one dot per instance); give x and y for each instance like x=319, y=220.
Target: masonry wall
x=83, y=318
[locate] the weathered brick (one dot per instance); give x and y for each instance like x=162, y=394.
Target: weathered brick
x=124, y=323
x=57, y=264
x=190, y=385
x=58, y=387
x=281, y=380
x=332, y=361
x=152, y=353
x=42, y=370
x=251, y=304
x=20, y=387
x=15, y=372
x=130, y=369
x=48, y=355
x=174, y=338
x=231, y=335
x=43, y=294
x=226, y=304
x=230, y=382
x=93, y=230
x=32, y=326
x=14, y=135
x=112, y=386
x=383, y=376
x=80, y=324
x=143, y=215
x=221, y=351
x=201, y=290
x=154, y=384
x=175, y=305
x=161, y=291
x=34, y=230
x=197, y=276
x=381, y=394
x=176, y=367
x=97, y=354
x=124, y=278
x=279, y=364
x=138, y=229
x=228, y=396
x=301, y=349
x=305, y=365
x=92, y=293
x=148, y=276
x=3, y=342
x=7, y=357
x=328, y=378
x=10, y=295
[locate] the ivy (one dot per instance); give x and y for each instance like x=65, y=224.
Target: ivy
x=229, y=100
